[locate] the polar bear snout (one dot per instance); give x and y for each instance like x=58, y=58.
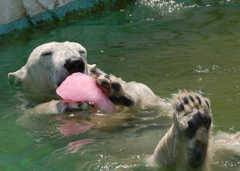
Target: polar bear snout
x=73, y=65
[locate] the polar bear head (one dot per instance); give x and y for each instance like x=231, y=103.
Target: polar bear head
x=49, y=65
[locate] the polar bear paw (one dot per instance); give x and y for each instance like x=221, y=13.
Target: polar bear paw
x=70, y=106
x=109, y=85
x=192, y=111
x=113, y=88
x=192, y=117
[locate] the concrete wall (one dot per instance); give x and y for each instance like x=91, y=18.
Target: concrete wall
x=17, y=14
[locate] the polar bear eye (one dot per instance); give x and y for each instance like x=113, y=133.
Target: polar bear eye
x=47, y=53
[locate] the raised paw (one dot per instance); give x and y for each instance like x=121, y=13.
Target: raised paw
x=109, y=85
x=113, y=87
x=192, y=117
x=191, y=111
x=199, y=119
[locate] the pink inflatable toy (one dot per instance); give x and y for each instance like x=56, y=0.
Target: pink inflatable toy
x=81, y=87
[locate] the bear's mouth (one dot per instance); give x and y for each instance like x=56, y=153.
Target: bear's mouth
x=71, y=66
x=62, y=79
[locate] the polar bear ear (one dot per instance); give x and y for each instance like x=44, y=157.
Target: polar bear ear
x=18, y=76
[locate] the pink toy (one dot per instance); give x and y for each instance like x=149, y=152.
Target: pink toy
x=81, y=87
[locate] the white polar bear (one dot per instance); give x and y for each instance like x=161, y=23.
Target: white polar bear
x=187, y=144
x=51, y=63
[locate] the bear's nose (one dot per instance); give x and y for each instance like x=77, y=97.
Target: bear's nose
x=76, y=65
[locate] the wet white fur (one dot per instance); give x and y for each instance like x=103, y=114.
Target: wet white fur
x=42, y=74
x=172, y=150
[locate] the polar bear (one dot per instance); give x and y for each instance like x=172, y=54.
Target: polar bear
x=51, y=63
x=187, y=144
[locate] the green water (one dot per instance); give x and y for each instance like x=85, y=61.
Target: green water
x=167, y=46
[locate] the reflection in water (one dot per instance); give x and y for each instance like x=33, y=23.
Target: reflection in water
x=73, y=126
x=75, y=146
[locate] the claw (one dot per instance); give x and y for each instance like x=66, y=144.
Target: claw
x=94, y=73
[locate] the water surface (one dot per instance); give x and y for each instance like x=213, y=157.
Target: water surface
x=165, y=45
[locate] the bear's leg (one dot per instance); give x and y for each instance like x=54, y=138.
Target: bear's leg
x=125, y=93
x=70, y=106
x=60, y=106
x=192, y=119
x=186, y=145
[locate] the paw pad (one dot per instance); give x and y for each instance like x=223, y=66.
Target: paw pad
x=180, y=107
x=199, y=100
x=191, y=111
x=199, y=119
x=191, y=98
x=105, y=84
x=109, y=84
x=116, y=86
x=187, y=101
